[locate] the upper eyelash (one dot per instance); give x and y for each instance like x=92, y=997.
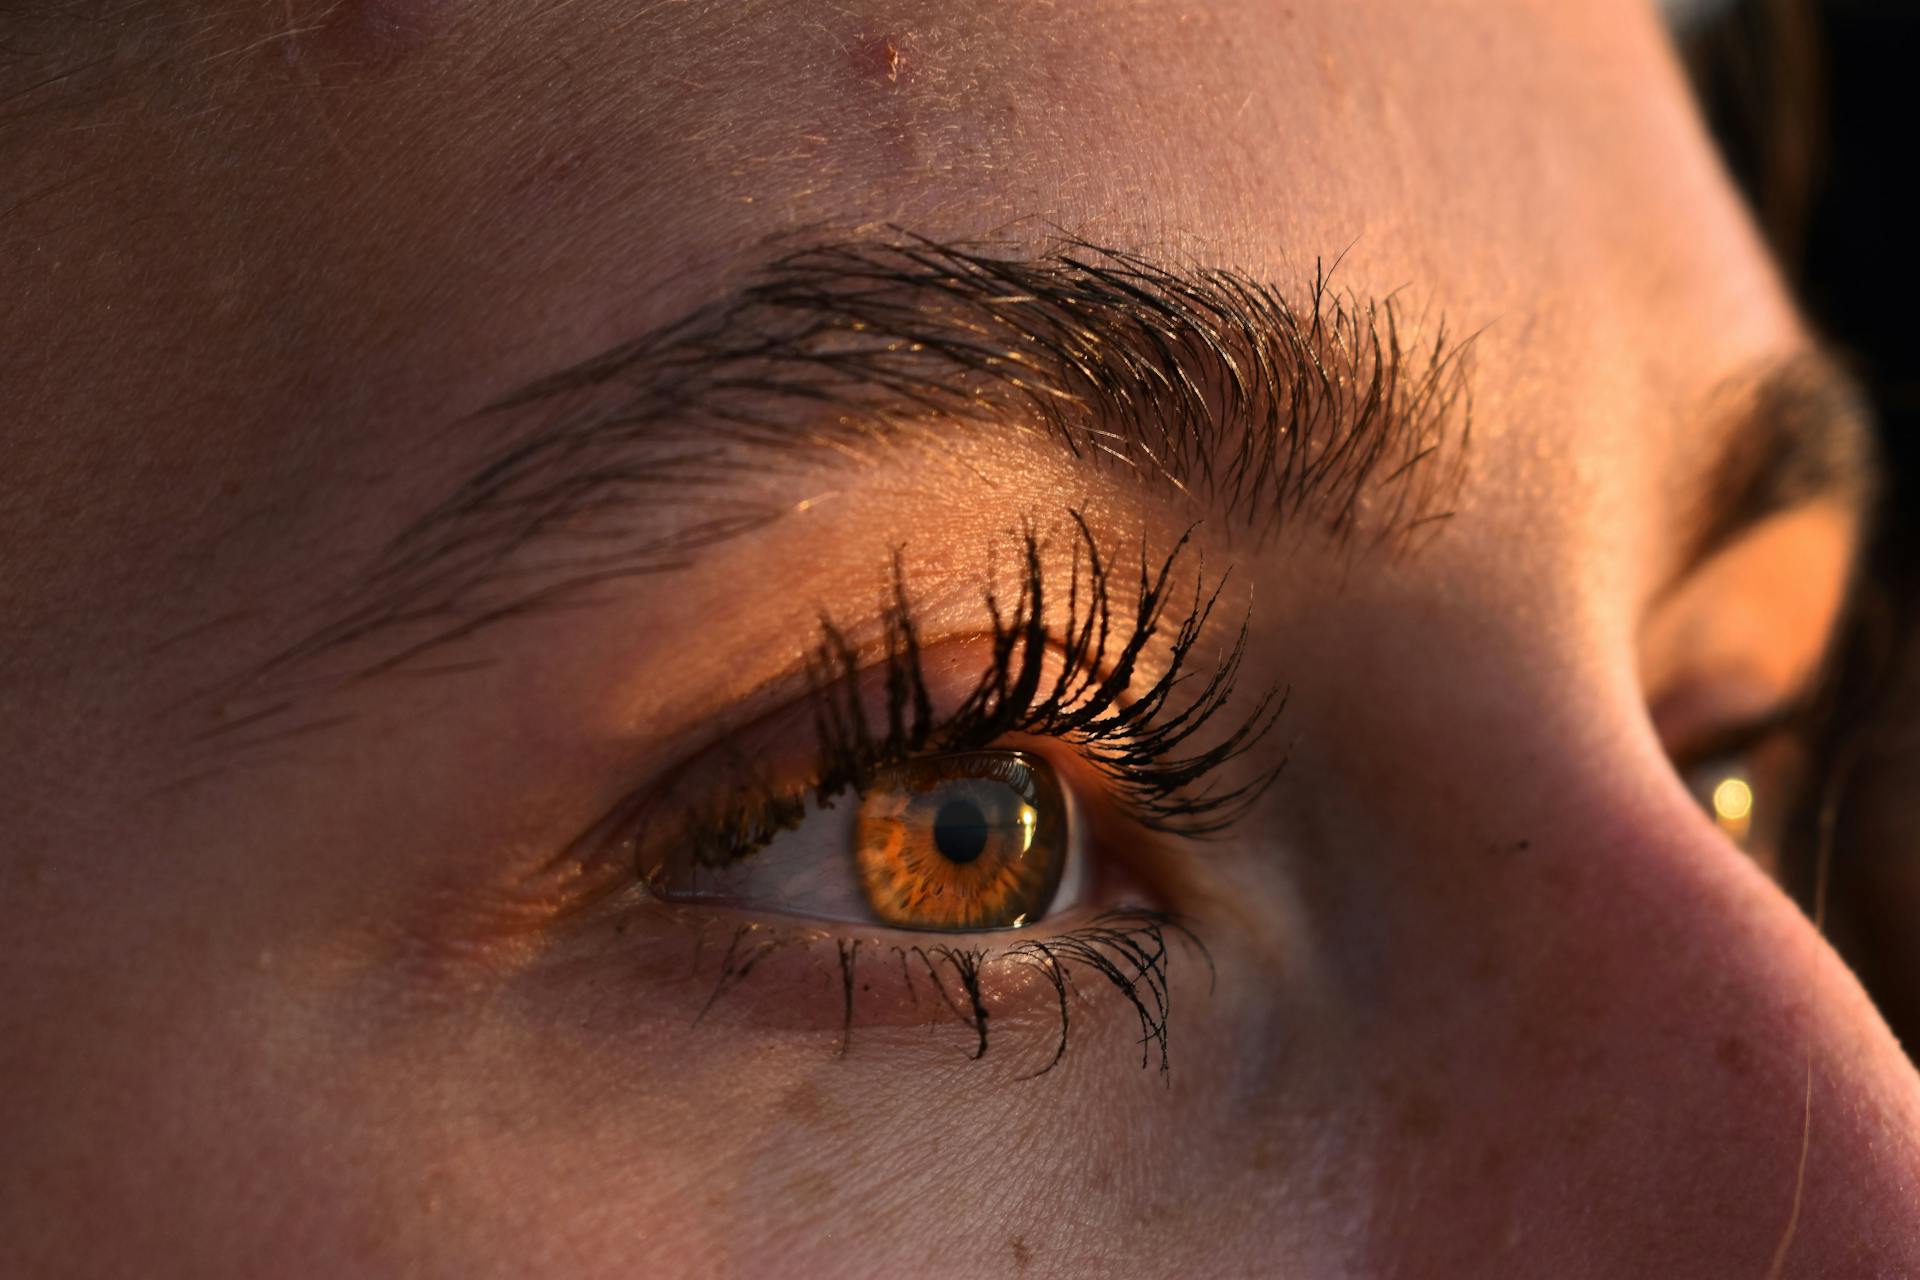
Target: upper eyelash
x=1137, y=743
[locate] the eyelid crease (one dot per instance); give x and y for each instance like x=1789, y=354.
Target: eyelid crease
x=1796, y=717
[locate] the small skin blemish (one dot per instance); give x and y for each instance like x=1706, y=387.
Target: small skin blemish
x=1022, y=1254
x=885, y=61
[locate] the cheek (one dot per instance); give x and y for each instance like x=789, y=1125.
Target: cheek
x=723, y=1149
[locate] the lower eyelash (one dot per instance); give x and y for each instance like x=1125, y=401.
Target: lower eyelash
x=1130, y=949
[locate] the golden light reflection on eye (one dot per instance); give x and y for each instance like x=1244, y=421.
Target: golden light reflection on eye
x=1732, y=803
x=972, y=841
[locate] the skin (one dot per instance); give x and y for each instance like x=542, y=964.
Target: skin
x=1493, y=996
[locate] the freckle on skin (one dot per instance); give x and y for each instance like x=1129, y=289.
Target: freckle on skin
x=883, y=60
x=1022, y=1255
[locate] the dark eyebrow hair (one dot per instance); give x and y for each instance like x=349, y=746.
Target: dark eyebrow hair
x=1801, y=433
x=1205, y=380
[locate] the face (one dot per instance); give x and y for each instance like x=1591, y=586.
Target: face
x=775, y=640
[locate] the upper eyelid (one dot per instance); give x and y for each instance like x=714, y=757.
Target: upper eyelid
x=1094, y=700
x=1140, y=744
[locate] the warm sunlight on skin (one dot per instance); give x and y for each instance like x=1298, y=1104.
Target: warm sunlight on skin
x=430, y=829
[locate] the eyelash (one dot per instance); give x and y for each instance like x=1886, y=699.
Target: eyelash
x=1137, y=745
x=1129, y=948
x=1147, y=748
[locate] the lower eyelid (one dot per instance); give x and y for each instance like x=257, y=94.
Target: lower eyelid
x=703, y=972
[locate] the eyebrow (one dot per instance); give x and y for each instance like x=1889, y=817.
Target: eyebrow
x=1336, y=412
x=1801, y=434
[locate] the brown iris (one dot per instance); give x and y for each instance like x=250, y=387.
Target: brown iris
x=973, y=841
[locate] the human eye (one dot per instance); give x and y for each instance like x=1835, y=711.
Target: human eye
x=959, y=842
x=984, y=808
x=1747, y=715
x=1753, y=780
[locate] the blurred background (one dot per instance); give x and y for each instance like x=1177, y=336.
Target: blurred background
x=1813, y=103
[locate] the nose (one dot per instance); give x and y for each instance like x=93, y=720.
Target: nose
x=1604, y=1044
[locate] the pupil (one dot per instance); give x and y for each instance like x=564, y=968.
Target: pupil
x=960, y=831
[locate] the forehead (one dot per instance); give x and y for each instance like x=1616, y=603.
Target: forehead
x=1491, y=154
x=1526, y=166
x=384, y=214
